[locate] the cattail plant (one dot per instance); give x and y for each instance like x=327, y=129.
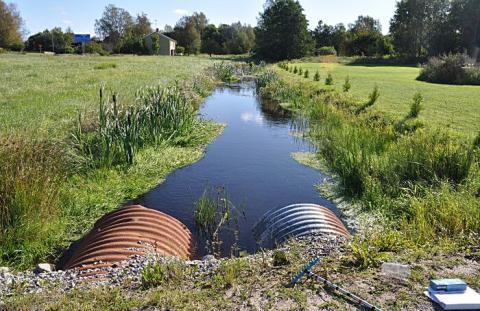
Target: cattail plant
x=160, y=115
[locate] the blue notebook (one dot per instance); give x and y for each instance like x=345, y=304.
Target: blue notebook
x=448, y=285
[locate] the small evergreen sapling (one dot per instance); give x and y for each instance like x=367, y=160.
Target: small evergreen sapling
x=347, y=85
x=329, y=79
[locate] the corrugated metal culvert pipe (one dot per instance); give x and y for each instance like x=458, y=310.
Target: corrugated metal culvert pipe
x=129, y=231
x=297, y=220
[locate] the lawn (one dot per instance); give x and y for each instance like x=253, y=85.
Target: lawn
x=42, y=94
x=457, y=107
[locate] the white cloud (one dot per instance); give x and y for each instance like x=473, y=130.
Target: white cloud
x=180, y=12
x=250, y=117
x=67, y=22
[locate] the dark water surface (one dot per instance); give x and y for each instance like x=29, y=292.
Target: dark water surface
x=251, y=159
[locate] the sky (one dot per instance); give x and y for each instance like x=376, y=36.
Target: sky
x=81, y=15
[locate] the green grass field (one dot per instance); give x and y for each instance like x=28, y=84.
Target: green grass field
x=452, y=106
x=42, y=94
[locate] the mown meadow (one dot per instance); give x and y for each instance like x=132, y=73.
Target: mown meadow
x=419, y=178
x=453, y=106
x=80, y=135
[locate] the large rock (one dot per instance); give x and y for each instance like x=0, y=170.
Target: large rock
x=44, y=267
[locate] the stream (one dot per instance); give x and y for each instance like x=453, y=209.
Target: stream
x=251, y=159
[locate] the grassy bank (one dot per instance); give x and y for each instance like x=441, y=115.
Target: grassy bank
x=53, y=187
x=450, y=106
x=423, y=182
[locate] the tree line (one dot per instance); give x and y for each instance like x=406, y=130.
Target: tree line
x=418, y=29
x=118, y=31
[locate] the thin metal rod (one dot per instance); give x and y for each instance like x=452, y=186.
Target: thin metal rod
x=345, y=292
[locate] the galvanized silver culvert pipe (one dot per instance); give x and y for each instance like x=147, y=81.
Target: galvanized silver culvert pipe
x=296, y=220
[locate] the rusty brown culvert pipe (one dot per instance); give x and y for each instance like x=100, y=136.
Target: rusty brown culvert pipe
x=128, y=231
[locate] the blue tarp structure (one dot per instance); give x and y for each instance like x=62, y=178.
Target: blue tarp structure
x=81, y=38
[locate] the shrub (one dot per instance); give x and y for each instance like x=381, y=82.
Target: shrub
x=295, y=70
x=473, y=76
x=326, y=50
x=329, y=79
x=316, y=77
x=226, y=72
x=179, y=50
x=93, y=47
x=300, y=72
x=347, y=86
x=103, y=66
x=416, y=106
x=449, y=69
x=307, y=74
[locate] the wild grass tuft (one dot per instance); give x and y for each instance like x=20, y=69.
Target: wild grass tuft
x=228, y=273
x=103, y=66
x=31, y=175
x=164, y=274
x=213, y=213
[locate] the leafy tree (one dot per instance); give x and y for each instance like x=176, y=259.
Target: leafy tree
x=54, y=40
x=282, y=31
x=113, y=26
x=465, y=22
x=238, y=38
x=10, y=26
x=414, y=24
x=200, y=21
x=212, y=40
x=142, y=26
x=188, y=36
x=366, y=37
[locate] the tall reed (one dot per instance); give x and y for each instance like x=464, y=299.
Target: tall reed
x=160, y=115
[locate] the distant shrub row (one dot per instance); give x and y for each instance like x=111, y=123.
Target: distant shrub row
x=450, y=69
x=326, y=50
